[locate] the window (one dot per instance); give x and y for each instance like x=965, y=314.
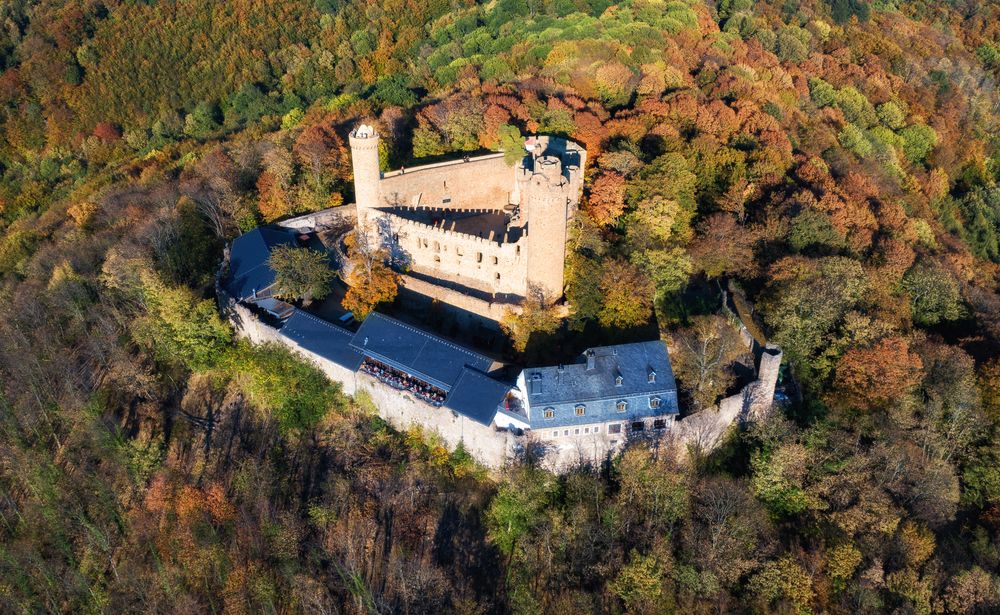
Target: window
x=654, y=402
x=622, y=406
x=446, y=199
x=659, y=424
x=565, y=432
x=581, y=410
x=496, y=261
x=618, y=381
x=555, y=434
x=576, y=431
x=652, y=377
x=638, y=426
x=498, y=276
x=597, y=429
x=479, y=257
x=549, y=413
x=614, y=428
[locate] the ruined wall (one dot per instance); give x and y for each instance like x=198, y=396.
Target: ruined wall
x=482, y=182
x=476, y=262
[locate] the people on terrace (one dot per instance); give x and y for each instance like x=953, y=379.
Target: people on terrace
x=403, y=381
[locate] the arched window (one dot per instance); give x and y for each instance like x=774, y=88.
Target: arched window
x=581, y=410
x=654, y=402
x=549, y=413
x=622, y=406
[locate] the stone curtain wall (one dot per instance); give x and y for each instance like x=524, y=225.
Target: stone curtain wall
x=484, y=182
x=490, y=447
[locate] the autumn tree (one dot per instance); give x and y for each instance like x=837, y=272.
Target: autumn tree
x=535, y=320
x=628, y=295
x=607, y=199
x=300, y=273
x=877, y=376
x=320, y=149
x=702, y=355
x=369, y=278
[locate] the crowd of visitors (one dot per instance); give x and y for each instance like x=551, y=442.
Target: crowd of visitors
x=404, y=382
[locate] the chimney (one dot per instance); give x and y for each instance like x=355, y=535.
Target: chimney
x=591, y=360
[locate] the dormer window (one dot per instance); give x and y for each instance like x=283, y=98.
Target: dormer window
x=618, y=381
x=581, y=410
x=654, y=402
x=652, y=377
x=549, y=413
x=622, y=406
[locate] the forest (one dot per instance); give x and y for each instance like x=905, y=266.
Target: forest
x=836, y=163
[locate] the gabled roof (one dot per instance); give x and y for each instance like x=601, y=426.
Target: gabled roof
x=576, y=383
x=418, y=353
x=322, y=338
x=248, y=256
x=477, y=396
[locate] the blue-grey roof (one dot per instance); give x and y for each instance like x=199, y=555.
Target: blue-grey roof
x=562, y=388
x=249, y=271
x=322, y=338
x=416, y=352
x=477, y=396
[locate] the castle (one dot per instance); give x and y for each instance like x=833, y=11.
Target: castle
x=476, y=232
x=480, y=235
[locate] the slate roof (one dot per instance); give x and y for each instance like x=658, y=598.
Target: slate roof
x=476, y=396
x=561, y=388
x=322, y=338
x=575, y=383
x=416, y=352
x=248, y=268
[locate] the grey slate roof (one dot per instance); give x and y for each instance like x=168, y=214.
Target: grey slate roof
x=248, y=256
x=476, y=396
x=562, y=388
x=574, y=382
x=416, y=352
x=322, y=338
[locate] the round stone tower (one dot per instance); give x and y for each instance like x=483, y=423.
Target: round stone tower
x=367, y=174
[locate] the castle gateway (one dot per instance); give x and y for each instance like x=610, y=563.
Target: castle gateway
x=476, y=233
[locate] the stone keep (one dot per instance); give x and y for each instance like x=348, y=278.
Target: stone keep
x=484, y=233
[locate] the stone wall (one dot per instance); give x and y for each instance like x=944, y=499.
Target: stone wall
x=491, y=310
x=326, y=218
x=491, y=447
x=482, y=182
x=457, y=258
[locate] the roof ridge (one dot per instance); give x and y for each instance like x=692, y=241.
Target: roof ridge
x=323, y=321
